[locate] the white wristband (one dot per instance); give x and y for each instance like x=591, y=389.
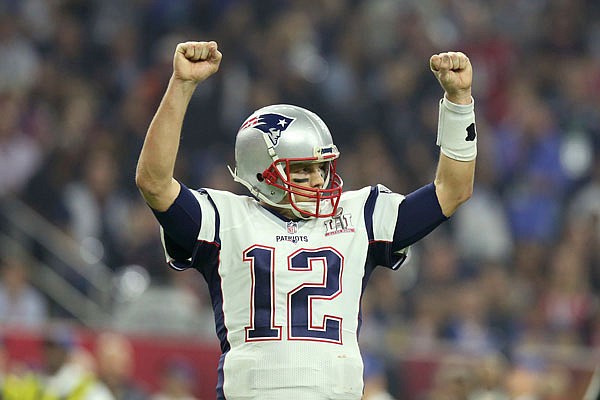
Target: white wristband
x=457, y=136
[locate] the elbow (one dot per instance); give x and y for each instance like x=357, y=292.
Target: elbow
x=142, y=181
x=159, y=194
x=459, y=198
x=146, y=184
x=464, y=195
x=451, y=200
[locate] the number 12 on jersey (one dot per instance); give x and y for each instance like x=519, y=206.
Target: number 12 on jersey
x=300, y=300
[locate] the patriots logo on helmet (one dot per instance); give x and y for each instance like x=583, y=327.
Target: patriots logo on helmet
x=271, y=124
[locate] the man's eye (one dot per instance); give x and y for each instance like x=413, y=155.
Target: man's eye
x=309, y=169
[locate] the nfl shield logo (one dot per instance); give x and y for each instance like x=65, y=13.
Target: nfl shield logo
x=292, y=227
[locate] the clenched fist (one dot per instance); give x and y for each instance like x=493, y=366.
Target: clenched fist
x=454, y=72
x=196, y=61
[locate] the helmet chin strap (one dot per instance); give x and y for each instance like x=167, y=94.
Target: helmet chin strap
x=325, y=207
x=311, y=207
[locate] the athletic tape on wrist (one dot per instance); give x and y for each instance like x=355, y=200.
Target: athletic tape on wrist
x=457, y=136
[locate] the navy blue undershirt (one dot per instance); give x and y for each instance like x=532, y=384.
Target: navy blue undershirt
x=181, y=223
x=418, y=215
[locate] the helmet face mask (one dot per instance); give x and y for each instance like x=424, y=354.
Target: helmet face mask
x=325, y=199
x=271, y=140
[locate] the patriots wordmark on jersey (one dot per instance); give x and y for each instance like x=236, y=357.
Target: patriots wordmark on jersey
x=286, y=294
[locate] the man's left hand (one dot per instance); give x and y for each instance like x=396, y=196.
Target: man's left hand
x=454, y=72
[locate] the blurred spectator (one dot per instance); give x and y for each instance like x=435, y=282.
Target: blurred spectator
x=20, y=155
x=524, y=384
x=4, y=361
x=467, y=328
x=98, y=210
x=557, y=383
x=453, y=379
x=482, y=231
x=65, y=372
x=566, y=303
x=505, y=300
x=143, y=243
x=428, y=318
x=114, y=355
x=375, y=379
x=19, y=60
x=582, y=225
x=21, y=304
x=489, y=376
x=177, y=381
x=584, y=206
x=593, y=388
x=528, y=146
x=181, y=308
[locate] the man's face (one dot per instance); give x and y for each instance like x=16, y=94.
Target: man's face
x=55, y=356
x=309, y=175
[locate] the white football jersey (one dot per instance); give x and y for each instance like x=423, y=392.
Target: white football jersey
x=286, y=294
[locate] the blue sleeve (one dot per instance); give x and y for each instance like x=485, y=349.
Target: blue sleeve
x=181, y=224
x=418, y=215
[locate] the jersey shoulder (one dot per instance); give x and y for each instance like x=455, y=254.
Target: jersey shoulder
x=219, y=197
x=367, y=192
x=230, y=208
x=353, y=195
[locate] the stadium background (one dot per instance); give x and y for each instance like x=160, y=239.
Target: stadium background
x=510, y=285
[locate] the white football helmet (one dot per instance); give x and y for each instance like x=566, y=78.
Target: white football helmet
x=276, y=136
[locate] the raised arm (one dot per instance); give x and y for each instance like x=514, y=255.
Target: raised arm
x=193, y=62
x=456, y=131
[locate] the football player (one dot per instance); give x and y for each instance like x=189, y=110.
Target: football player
x=286, y=267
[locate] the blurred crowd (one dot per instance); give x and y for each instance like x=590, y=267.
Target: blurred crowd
x=512, y=280
x=67, y=370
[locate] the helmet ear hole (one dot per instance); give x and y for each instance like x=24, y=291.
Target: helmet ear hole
x=259, y=177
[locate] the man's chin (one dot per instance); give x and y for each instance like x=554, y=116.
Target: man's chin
x=309, y=208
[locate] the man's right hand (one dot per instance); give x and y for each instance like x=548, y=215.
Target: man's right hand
x=193, y=62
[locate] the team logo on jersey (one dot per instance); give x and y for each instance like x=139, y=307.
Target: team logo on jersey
x=292, y=227
x=341, y=223
x=292, y=238
x=272, y=124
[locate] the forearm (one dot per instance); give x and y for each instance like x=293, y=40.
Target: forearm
x=156, y=164
x=453, y=183
x=457, y=138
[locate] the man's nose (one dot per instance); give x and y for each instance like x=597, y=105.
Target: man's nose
x=316, y=178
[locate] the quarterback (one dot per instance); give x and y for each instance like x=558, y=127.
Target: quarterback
x=286, y=267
